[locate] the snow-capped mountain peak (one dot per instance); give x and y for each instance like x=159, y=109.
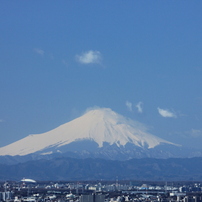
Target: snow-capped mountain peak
x=99, y=125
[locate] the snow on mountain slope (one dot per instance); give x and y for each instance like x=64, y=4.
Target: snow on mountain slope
x=99, y=125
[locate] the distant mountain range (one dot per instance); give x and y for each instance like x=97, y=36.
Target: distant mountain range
x=101, y=144
x=67, y=169
x=99, y=133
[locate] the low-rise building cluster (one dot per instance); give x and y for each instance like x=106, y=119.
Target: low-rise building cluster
x=100, y=191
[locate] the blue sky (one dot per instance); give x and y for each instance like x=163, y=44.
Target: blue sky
x=142, y=59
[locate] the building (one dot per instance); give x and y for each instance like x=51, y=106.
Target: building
x=92, y=198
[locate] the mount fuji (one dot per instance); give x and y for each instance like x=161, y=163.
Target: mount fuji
x=99, y=133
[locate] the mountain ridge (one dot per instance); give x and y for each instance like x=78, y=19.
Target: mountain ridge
x=171, y=169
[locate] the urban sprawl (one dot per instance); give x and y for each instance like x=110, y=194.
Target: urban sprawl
x=100, y=191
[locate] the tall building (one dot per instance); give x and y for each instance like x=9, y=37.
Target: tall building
x=5, y=195
x=92, y=198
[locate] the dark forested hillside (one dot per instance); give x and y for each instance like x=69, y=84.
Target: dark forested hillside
x=97, y=169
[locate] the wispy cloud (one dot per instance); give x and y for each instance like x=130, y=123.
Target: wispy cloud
x=166, y=113
x=1, y=120
x=64, y=62
x=129, y=106
x=89, y=57
x=39, y=51
x=139, y=107
x=194, y=133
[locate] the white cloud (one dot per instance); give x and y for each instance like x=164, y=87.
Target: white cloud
x=166, y=113
x=129, y=106
x=195, y=133
x=64, y=62
x=91, y=108
x=90, y=57
x=139, y=107
x=39, y=51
